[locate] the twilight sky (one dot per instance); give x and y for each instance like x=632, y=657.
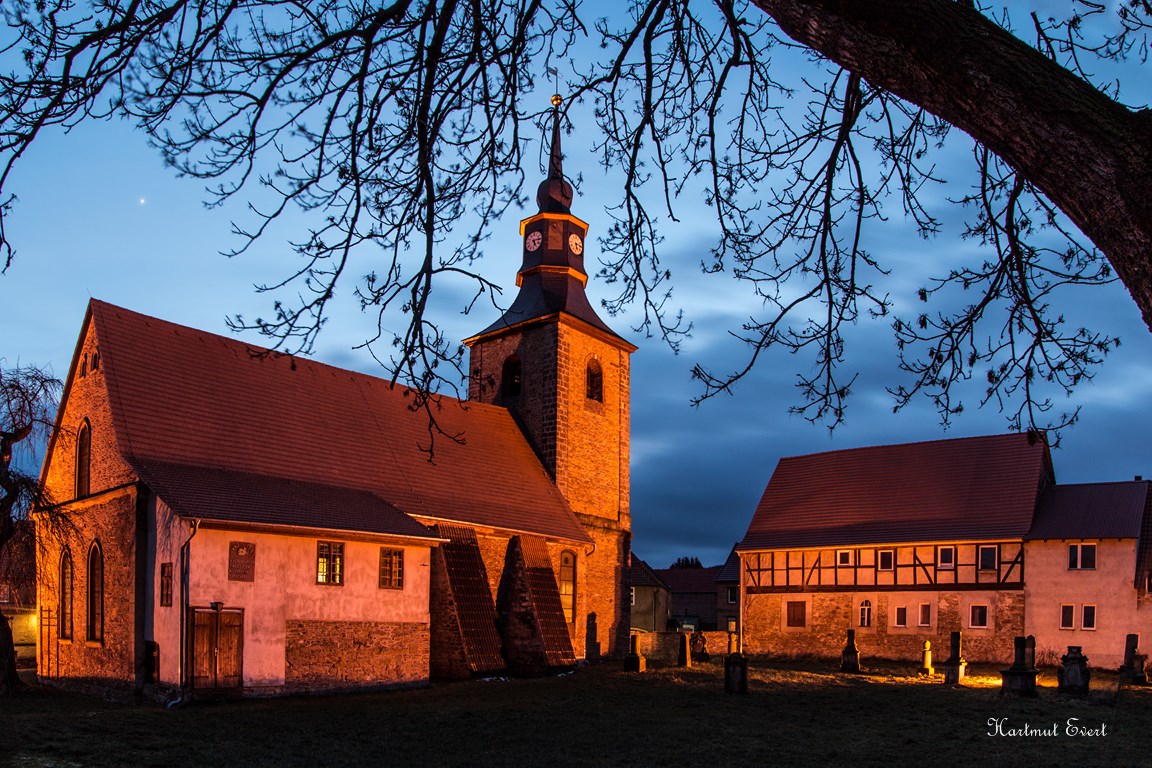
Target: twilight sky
x=99, y=216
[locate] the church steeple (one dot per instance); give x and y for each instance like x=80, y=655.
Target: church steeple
x=554, y=195
x=552, y=276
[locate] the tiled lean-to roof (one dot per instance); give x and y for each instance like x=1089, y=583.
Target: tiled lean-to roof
x=945, y=490
x=199, y=414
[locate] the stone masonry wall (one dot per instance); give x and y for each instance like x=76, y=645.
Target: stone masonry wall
x=349, y=654
x=831, y=614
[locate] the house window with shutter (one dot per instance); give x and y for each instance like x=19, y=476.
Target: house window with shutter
x=796, y=615
x=1081, y=557
x=330, y=563
x=391, y=568
x=987, y=558
x=866, y=613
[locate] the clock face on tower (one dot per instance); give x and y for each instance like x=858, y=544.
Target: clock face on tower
x=575, y=244
x=533, y=241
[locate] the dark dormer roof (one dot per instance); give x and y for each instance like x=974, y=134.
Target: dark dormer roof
x=1091, y=511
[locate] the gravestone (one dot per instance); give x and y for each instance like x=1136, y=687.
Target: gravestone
x=684, y=651
x=1019, y=679
x=926, y=667
x=955, y=666
x=735, y=668
x=1073, y=675
x=850, y=656
x=635, y=661
x=1132, y=672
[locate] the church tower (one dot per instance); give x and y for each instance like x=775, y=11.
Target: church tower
x=564, y=375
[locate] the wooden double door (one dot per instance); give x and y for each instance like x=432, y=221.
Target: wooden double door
x=216, y=649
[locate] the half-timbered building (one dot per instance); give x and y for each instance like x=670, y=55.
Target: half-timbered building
x=907, y=543
x=902, y=543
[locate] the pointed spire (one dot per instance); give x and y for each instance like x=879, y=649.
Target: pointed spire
x=554, y=195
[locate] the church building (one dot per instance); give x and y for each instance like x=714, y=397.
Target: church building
x=230, y=520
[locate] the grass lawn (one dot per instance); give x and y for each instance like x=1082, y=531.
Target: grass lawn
x=795, y=713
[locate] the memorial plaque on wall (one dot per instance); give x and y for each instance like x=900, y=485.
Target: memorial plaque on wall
x=241, y=561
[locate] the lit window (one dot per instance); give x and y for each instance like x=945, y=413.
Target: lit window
x=330, y=563
x=1067, y=616
x=1088, y=617
x=95, y=594
x=885, y=560
x=866, y=613
x=594, y=381
x=733, y=595
x=165, y=584
x=796, y=613
x=946, y=558
x=391, y=568
x=66, y=596
x=83, y=460
x=925, y=614
x=1081, y=557
x=987, y=557
x=901, y=616
x=568, y=585
x=844, y=557
x=510, y=377
x=978, y=617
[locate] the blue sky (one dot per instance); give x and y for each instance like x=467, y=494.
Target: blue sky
x=99, y=216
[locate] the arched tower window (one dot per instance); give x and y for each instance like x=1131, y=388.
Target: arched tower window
x=95, y=593
x=594, y=381
x=510, y=377
x=65, y=596
x=866, y=613
x=83, y=460
x=568, y=585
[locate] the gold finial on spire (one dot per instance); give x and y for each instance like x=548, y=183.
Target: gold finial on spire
x=557, y=99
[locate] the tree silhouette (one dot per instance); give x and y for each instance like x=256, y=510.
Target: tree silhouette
x=27, y=408
x=398, y=134
x=687, y=562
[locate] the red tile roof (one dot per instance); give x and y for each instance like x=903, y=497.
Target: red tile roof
x=185, y=398
x=945, y=490
x=683, y=581
x=1091, y=511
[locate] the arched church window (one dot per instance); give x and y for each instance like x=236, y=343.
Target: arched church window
x=65, y=607
x=95, y=593
x=568, y=585
x=83, y=460
x=510, y=377
x=594, y=381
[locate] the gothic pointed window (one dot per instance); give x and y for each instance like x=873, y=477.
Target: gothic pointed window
x=95, y=594
x=568, y=585
x=510, y=378
x=83, y=460
x=65, y=606
x=594, y=381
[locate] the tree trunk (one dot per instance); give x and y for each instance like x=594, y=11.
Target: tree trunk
x=1088, y=154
